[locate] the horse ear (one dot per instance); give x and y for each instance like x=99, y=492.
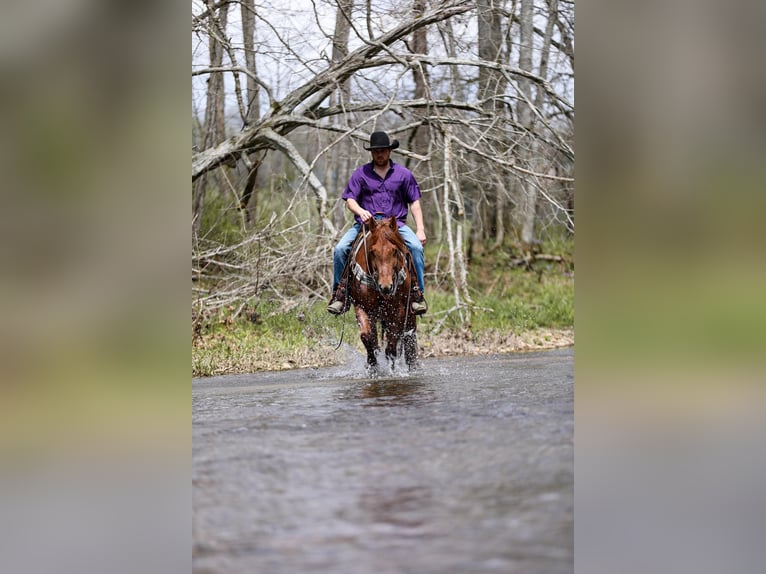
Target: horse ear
x=392, y=224
x=371, y=223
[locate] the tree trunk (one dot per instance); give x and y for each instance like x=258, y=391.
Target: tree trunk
x=528, y=199
x=419, y=139
x=500, y=202
x=220, y=100
x=248, y=35
x=340, y=43
x=252, y=162
x=214, y=129
x=454, y=211
x=492, y=84
x=341, y=96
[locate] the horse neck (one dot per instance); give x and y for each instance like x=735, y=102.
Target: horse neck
x=361, y=253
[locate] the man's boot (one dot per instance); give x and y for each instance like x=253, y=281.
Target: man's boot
x=339, y=303
x=418, y=301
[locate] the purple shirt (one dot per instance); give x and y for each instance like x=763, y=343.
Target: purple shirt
x=389, y=196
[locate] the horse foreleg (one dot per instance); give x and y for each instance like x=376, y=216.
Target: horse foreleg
x=410, y=344
x=368, y=334
x=392, y=344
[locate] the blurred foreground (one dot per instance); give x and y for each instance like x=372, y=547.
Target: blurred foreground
x=94, y=399
x=671, y=317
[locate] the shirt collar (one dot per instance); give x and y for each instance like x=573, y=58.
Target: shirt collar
x=391, y=165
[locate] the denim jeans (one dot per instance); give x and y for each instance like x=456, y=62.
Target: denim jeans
x=340, y=253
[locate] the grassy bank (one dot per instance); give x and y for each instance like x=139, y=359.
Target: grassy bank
x=514, y=309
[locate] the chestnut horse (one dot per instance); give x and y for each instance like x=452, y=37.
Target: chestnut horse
x=381, y=280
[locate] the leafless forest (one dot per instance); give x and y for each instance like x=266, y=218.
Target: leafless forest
x=284, y=94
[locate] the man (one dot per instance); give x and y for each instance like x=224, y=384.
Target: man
x=385, y=188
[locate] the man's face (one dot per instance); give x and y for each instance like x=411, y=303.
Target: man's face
x=381, y=156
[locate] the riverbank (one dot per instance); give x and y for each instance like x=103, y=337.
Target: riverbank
x=209, y=358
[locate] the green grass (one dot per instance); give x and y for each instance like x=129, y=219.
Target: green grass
x=267, y=336
x=508, y=297
x=519, y=301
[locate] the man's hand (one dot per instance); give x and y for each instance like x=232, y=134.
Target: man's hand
x=364, y=215
x=357, y=209
x=421, y=234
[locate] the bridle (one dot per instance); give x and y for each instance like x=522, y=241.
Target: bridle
x=370, y=279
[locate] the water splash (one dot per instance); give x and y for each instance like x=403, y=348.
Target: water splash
x=355, y=367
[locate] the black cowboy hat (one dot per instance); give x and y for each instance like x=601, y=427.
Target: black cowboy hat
x=379, y=140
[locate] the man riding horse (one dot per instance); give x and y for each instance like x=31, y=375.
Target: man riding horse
x=381, y=188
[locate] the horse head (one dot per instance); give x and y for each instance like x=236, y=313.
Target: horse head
x=386, y=254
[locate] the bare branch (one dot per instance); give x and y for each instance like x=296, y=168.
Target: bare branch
x=239, y=70
x=284, y=145
x=307, y=97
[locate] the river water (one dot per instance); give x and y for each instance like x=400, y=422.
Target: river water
x=465, y=466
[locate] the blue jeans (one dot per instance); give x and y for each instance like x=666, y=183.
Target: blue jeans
x=340, y=253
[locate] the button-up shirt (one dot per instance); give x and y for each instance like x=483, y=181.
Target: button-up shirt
x=389, y=196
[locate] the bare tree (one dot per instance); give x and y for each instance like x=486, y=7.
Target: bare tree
x=454, y=218
x=252, y=162
x=213, y=127
x=492, y=86
x=528, y=199
x=486, y=126
x=340, y=97
x=419, y=137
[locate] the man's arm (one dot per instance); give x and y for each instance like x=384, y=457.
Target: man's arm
x=417, y=214
x=356, y=209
